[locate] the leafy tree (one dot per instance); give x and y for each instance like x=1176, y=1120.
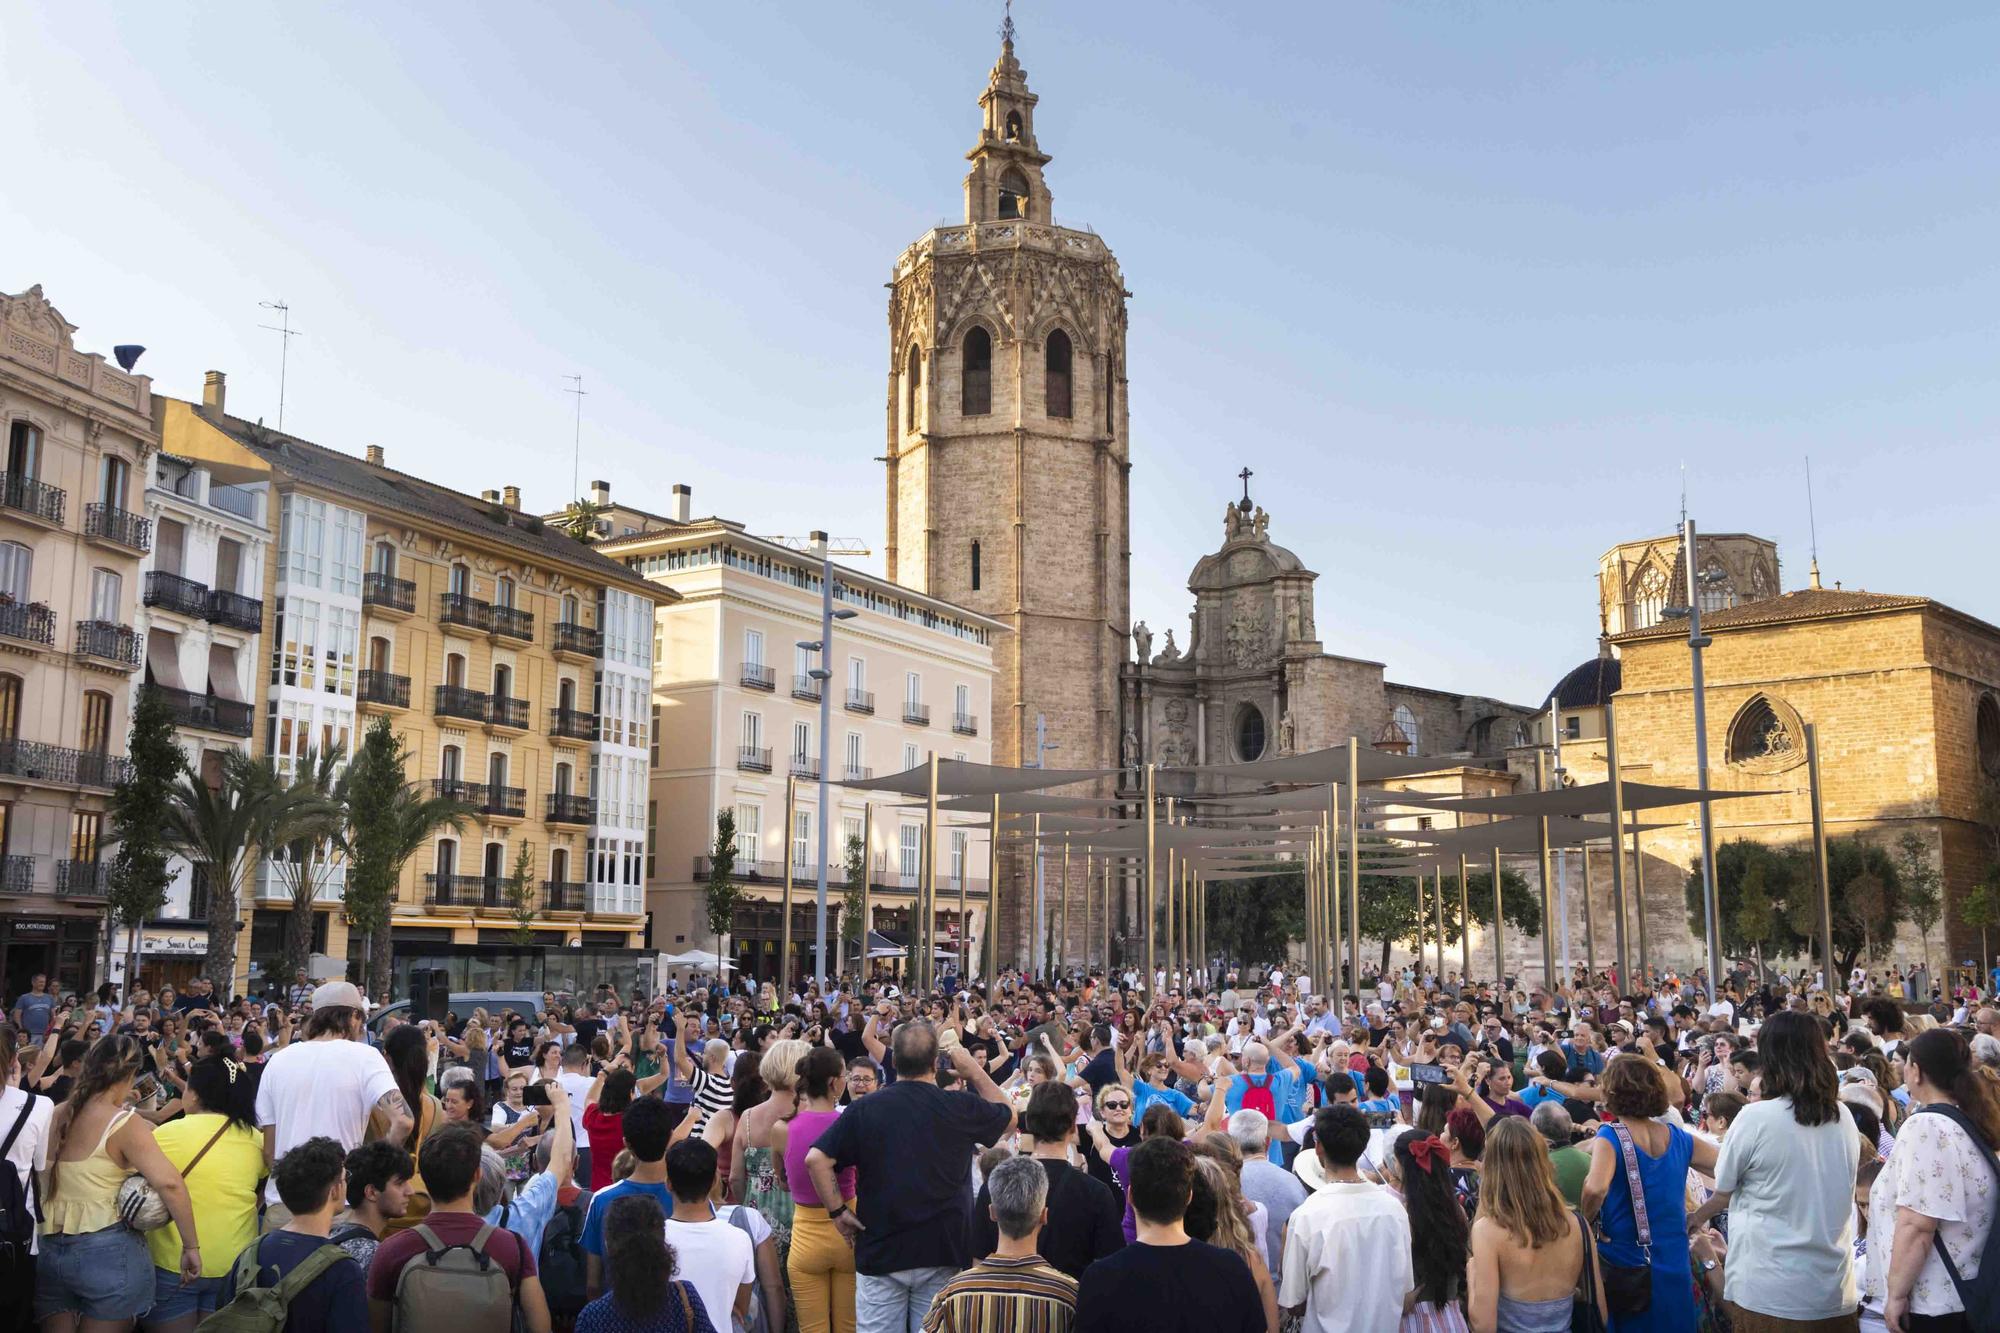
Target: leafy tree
x=853, y=930
x=1923, y=888
x=1981, y=908
x=1757, y=916
x=1389, y=908
x=1863, y=884
x=226, y=829
x=723, y=894
x=306, y=858
x=521, y=894
x=388, y=821
x=579, y=520
x=138, y=887
x=1256, y=920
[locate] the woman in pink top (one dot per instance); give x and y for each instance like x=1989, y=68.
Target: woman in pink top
x=821, y=1263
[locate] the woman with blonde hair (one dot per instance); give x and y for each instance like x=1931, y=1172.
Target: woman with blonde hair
x=756, y=1172
x=1529, y=1250
x=1231, y=1230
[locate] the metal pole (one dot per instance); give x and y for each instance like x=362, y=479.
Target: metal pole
x=993, y=897
x=1589, y=919
x=1333, y=891
x=964, y=959
x=1820, y=879
x=1417, y=959
x=927, y=886
x=1171, y=896
x=1437, y=905
x=1711, y=908
x=1089, y=864
x=1062, y=914
x=1035, y=959
x=1639, y=909
x=1548, y=886
x=1499, y=927
x=861, y=968
x=1148, y=893
x=1354, y=865
x=1566, y=960
x=785, y=926
x=1619, y=948
x=1464, y=926
x=1311, y=880
x=825, y=676
x=1106, y=927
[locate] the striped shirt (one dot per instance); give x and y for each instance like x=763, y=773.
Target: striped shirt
x=1002, y=1295
x=712, y=1093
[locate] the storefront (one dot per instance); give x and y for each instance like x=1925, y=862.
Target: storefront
x=508, y=967
x=168, y=956
x=63, y=947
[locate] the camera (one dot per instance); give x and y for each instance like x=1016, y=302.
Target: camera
x=535, y=1094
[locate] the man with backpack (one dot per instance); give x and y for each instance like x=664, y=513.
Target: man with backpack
x=454, y=1269
x=1278, y=1093
x=294, y=1279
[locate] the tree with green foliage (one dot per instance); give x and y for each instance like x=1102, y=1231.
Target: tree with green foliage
x=1256, y=920
x=1863, y=882
x=1756, y=917
x=306, y=859
x=1981, y=909
x=388, y=821
x=138, y=887
x=521, y=894
x=1389, y=909
x=1923, y=889
x=226, y=828
x=722, y=895
x=853, y=930
x=580, y=519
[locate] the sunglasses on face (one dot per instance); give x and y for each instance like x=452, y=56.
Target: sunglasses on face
x=1116, y=1106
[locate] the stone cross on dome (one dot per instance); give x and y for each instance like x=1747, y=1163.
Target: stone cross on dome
x=1245, y=475
x=1007, y=24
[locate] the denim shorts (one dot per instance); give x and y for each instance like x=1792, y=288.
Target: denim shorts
x=104, y=1274
x=172, y=1299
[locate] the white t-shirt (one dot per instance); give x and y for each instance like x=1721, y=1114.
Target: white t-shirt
x=30, y=1146
x=578, y=1087
x=1791, y=1212
x=1347, y=1259
x=717, y=1258
x=321, y=1088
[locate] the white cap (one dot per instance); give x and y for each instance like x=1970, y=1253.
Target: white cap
x=337, y=995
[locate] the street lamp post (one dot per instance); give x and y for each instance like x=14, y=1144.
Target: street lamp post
x=822, y=674
x=1711, y=911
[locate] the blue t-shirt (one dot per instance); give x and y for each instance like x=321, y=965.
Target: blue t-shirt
x=36, y=1011
x=1533, y=1096
x=600, y=1208
x=1145, y=1094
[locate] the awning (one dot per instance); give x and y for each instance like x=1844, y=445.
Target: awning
x=222, y=681
x=163, y=659
x=1591, y=798
x=1031, y=803
x=961, y=777
x=1323, y=766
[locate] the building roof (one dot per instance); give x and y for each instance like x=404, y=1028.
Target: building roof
x=1802, y=604
x=376, y=488
x=1590, y=685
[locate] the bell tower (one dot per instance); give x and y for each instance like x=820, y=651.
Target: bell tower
x=1007, y=448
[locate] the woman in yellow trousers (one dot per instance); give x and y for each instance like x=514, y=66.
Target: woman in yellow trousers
x=821, y=1262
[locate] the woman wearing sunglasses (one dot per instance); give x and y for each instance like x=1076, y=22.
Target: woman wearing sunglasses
x=1112, y=1111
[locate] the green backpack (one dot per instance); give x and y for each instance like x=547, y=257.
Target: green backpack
x=258, y=1309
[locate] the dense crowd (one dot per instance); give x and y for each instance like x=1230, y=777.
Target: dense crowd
x=1246, y=1156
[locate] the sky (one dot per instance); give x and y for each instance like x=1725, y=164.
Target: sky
x=1470, y=288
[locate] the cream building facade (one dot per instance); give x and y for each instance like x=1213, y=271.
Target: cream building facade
x=736, y=713
x=79, y=434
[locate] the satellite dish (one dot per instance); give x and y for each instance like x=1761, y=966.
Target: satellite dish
x=128, y=354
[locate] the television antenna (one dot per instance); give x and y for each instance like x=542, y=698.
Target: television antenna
x=576, y=444
x=285, y=333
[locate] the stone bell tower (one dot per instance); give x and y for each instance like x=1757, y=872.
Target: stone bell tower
x=1007, y=439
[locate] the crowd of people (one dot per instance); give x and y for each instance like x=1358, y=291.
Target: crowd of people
x=1086, y=1153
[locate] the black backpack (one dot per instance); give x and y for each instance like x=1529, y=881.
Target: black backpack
x=560, y=1259
x=1979, y=1295
x=19, y=1210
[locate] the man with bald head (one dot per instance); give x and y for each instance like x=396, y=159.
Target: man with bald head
x=1279, y=1093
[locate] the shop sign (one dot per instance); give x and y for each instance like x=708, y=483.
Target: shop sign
x=34, y=928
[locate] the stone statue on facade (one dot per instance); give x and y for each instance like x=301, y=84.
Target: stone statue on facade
x=1287, y=733
x=1142, y=638
x=1170, y=653
x=1130, y=746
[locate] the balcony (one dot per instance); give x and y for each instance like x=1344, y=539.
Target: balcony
x=457, y=608
x=235, y=610
x=511, y=623
x=856, y=773
x=118, y=527
x=55, y=763
x=576, y=640
x=916, y=714
x=463, y=891
x=207, y=712
x=805, y=687
x=17, y=874
x=757, y=676
x=454, y=701
x=458, y=789
x=758, y=872
x=386, y=592
x=753, y=759
x=562, y=895
x=566, y=808
x=383, y=689
x=804, y=766
x=965, y=724
x=30, y=622
x=103, y=642
x=504, y=712
x=36, y=499
x=506, y=802
x=861, y=701
x=566, y=724
x=83, y=879
x=171, y=592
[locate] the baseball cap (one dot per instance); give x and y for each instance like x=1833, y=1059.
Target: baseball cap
x=336, y=995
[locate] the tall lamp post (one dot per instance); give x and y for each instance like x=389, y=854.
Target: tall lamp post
x=824, y=675
x=1035, y=951
x=1711, y=910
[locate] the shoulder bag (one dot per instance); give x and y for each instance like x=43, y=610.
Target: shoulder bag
x=1629, y=1290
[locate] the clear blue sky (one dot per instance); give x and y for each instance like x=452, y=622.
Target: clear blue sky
x=1466, y=285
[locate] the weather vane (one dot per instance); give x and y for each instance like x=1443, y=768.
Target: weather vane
x=1007, y=24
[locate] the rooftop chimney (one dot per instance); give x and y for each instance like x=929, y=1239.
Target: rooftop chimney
x=683, y=500
x=600, y=492
x=491, y=497
x=375, y=456
x=214, y=386
x=511, y=497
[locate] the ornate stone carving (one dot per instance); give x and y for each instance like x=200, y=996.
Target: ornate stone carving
x=1287, y=733
x=1177, y=713
x=1169, y=653
x=1129, y=751
x=1142, y=640
x=1246, y=639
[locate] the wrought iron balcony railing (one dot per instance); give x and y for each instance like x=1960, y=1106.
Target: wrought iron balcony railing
x=916, y=713
x=388, y=592
x=861, y=701
x=121, y=527
x=30, y=622
x=56, y=763
x=572, y=725
x=568, y=808
x=171, y=592
x=513, y=623
x=35, y=498
x=511, y=802
x=207, y=712
x=584, y=640
x=83, y=879
x=805, y=687
x=562, y=895
x=235, y=610
x=103, y=641
x=757, y=676
x=504, y=712
x=457, y=608
x=381, y=687
x=965, y=724
x=455, y=701
x=753, y=758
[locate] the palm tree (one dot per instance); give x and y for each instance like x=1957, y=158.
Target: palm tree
x=226, y=828
x=579, y=520
x=307, y=856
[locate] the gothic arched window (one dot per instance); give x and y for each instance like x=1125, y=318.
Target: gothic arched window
x=1716, y=594
x=1649, y=598
x=1249, y=733
x=913, y=388
x=975, y=373
x=1765, y=736
x=1055, y=382
x=1986, y=731
x=1406, y=722
x=1013, y=194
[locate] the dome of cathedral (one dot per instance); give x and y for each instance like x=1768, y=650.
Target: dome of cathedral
x=1588, y=686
